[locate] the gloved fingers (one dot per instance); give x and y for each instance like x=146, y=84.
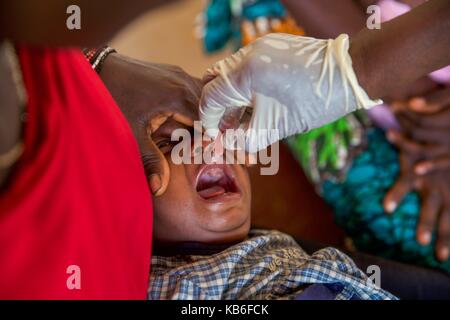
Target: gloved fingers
x=222, y=93
x=210, y=73
x=258, y=137
x=231, y=118
x=268, y=124
x=255, y=141
x=211, y=105
x=227, y=65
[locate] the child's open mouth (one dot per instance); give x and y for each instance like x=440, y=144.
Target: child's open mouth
x=216, y=182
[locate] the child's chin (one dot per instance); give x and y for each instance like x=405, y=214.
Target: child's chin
x=229, y=238
x=233, y=224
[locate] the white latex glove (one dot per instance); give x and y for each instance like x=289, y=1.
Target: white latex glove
x=294, y=84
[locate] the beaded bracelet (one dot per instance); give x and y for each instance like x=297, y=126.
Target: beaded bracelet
x=96, y=57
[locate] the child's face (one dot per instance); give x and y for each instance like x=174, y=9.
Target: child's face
x=203, y=203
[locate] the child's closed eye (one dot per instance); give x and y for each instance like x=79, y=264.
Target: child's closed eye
x=166, y=145
x=162, y=138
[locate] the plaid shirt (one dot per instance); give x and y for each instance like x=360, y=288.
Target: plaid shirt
x=269, y=265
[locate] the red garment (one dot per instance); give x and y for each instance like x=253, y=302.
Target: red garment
x=79, y=195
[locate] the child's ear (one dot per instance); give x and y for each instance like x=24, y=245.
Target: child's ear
x=155, y=165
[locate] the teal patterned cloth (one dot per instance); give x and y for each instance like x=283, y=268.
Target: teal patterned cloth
x=223, y=19
x=358, y=206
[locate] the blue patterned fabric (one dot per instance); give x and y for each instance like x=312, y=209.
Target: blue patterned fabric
x=269, y=265
x=218, y=29
x=223, y=24
x=358, y=206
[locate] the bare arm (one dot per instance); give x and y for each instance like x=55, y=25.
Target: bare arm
x=44, y=22
x=327, y=18
x=405, y=49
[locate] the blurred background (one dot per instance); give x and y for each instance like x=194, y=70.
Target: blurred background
x=158, y=36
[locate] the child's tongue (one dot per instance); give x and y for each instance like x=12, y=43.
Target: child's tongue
x=212, y=192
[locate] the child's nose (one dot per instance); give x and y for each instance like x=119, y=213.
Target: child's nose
x=214, y=148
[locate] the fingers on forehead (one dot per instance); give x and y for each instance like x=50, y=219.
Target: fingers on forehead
x=184, y=119
x=158, y=120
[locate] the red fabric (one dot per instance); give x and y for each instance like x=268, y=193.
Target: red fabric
x=79, y=195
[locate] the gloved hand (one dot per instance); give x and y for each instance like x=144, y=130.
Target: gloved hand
x=293, y=84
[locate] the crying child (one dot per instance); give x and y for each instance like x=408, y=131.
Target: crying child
x=204, y=248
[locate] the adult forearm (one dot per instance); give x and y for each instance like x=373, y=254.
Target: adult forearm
x=405, y=49
x=327, y=18
x=38, y=23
